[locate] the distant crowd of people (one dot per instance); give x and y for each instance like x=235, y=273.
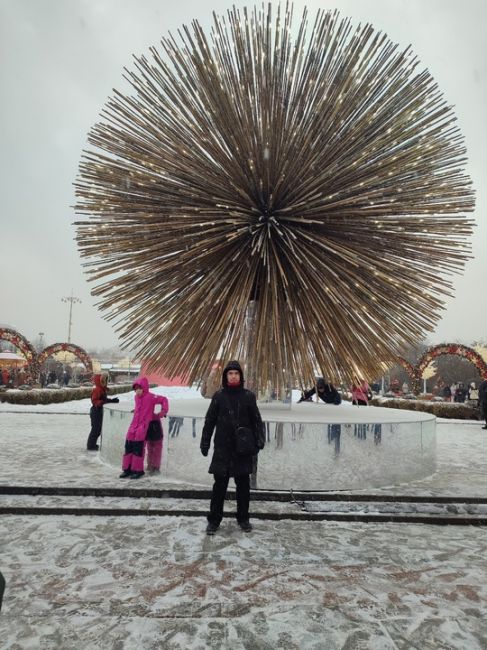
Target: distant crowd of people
x=60, y=376
x=12, y=377
x=457, y=392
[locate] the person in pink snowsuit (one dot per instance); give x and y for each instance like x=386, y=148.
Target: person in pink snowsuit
x=135, y=441
x=360, y=392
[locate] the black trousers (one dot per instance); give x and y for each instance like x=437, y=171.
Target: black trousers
x=2, y=588
x=218, y=498
x=96, y=417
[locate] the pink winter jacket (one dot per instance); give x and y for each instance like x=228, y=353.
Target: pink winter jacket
x=361, y=392
x=144, y=410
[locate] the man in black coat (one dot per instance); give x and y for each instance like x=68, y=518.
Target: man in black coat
x=326, y=392
x=483, y=401
x=232, y=406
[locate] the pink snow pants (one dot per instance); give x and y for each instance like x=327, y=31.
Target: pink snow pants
x=133, y=457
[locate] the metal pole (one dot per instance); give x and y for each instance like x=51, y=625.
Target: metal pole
x=70, y=320
x=71, y=299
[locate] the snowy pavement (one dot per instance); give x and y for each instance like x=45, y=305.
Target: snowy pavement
x=159, y=582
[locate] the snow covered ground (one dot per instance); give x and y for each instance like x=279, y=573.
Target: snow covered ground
x=82, y=582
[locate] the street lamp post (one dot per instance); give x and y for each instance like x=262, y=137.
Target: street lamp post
x=71, y=299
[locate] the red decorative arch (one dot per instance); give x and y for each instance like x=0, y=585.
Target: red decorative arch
x=408, y=367
x=412, y=372
x=26, y=348
x=78, y=352
x=20, y=342
x=451, y=348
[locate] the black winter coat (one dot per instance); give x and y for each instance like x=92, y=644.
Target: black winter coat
x=329, y=395
x=225, y=460
x=483, y=392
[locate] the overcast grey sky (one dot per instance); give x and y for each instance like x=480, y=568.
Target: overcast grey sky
x=60, y=59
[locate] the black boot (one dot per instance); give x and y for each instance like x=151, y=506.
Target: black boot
x=125, y=474
x=211, y=529
x=137, y=474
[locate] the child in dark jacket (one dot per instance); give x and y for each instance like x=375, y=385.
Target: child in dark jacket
x=98, y=399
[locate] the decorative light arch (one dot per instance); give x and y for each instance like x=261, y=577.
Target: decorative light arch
x=451, y=348
x=78, y=352
x=20, y=342
x=409, y=368
x=412, y=372
x=26, y=348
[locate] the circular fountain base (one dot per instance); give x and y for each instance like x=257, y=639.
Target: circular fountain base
x=311, y=446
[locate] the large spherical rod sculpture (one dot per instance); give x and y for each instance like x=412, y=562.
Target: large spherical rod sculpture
x=315, y=174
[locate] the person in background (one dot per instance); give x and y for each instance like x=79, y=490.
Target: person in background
x=231, y=407
x=144, y=414
x=325, y=391
x=446, y=393
x=483, y=401
x=473, y=393
x=98, y=399
x=360, y=392
x=395, y=388
x=453, y=389
x=460, y=393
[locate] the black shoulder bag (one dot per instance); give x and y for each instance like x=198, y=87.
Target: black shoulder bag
x=154, y=431
x=245, y=443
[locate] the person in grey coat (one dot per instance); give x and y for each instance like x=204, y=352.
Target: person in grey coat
x=232, y=406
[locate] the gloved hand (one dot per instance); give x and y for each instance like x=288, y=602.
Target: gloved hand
x=114, y=400
x=204, y=451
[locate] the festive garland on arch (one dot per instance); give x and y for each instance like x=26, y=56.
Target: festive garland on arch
x=451, y=348
x=78, y=352
x=415, y=372
x=25, y=347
